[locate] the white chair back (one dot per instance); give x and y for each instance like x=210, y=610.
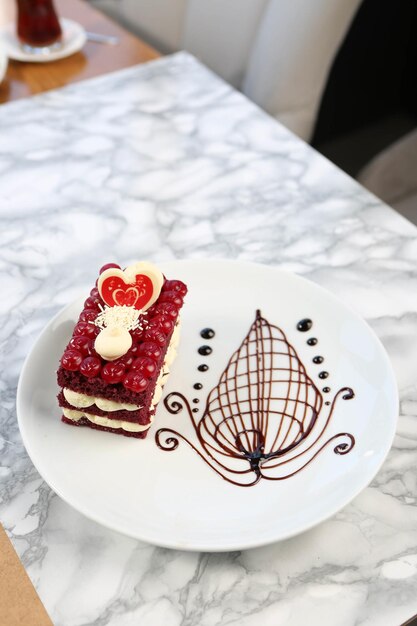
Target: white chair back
x=278, y=52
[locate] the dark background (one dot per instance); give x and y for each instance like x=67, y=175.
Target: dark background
x=371, y=96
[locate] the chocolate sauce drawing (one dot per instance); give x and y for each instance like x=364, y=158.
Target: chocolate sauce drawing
x=304, y=325
x=205, y=350
x=318, y=359
x=207, y=333
x=265, y=419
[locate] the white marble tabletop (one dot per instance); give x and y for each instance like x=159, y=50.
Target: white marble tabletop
x=165, y=161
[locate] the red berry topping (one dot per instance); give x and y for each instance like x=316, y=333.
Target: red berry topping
x=167, y=308
x=171, y=296
x=155, y=335
x=176, y=285
x=151, y=349
x=88, y=315
x=135, y=381
x=113, y=373
x=92, y=302
x=86, y=329
x=71, y=360
x=164, y=323
x=80, y=343
x=136, y=335
x=109, y=266
x=94, y=293
x=133, y=350
x=126, y=360
x=90, y=366
x=145, y=366
x=91, y=350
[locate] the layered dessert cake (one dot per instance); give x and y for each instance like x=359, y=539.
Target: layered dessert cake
x=118, y=359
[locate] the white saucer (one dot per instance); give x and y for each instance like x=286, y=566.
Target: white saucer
x=3, y=64
x=73, y=39
x=174, y=498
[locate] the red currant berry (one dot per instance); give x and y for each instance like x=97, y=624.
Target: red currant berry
x=113, y=373
x=154, y=323
x=151, y=311
x=94, y=293
x=90, y=366
x=71, y=360
x=88, y=315
x=91, y=349
x=81, y=344
x=133, y=350
x=165, y=323
x=126, y=360
x=171, y=296
x=136, y=335
x=167, y=308
x=92, y=302
x=86, y=329
x=153, y=334
x=109, y=266
x=151, y=349
x=135, y=381
x=145, y=366
x=176, y=285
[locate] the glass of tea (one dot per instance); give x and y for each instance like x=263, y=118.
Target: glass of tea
x=38, y=27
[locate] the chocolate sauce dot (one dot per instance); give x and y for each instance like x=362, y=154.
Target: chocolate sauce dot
x=196, y=400
x=203, y=367
x=318, y=359
x=327, y=403
x=323, y=374
x=304, y=325
x=198, y=386
x=207, y=333
x=312, y=341
x=195, y=410
x=205, y=350
x=326, y=389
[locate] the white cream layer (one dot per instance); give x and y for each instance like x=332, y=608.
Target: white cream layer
x=81, y=401
x=169, y=358
x=75, y=416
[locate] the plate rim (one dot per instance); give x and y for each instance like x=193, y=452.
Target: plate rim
x=204, y=547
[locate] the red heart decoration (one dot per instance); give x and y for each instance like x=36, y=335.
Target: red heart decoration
x=116, y=292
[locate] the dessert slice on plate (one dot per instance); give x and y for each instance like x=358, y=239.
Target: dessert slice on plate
x=119, y=356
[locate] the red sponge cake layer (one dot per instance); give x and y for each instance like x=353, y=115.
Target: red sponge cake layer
x=116, y=431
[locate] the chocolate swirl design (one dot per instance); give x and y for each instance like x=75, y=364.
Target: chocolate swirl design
x=265, y=419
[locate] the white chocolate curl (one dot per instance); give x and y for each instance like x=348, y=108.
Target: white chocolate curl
x=112, y=342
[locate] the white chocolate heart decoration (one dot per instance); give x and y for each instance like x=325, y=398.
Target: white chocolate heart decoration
x=138, y=286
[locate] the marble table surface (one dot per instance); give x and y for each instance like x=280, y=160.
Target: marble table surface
x=165, y=161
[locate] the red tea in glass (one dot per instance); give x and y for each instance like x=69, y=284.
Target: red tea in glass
x=38, y=24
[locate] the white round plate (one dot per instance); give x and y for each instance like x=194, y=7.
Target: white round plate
x=73, y=39
x=173, y=498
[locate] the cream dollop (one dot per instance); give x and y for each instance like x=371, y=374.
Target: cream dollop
x=112, y=342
